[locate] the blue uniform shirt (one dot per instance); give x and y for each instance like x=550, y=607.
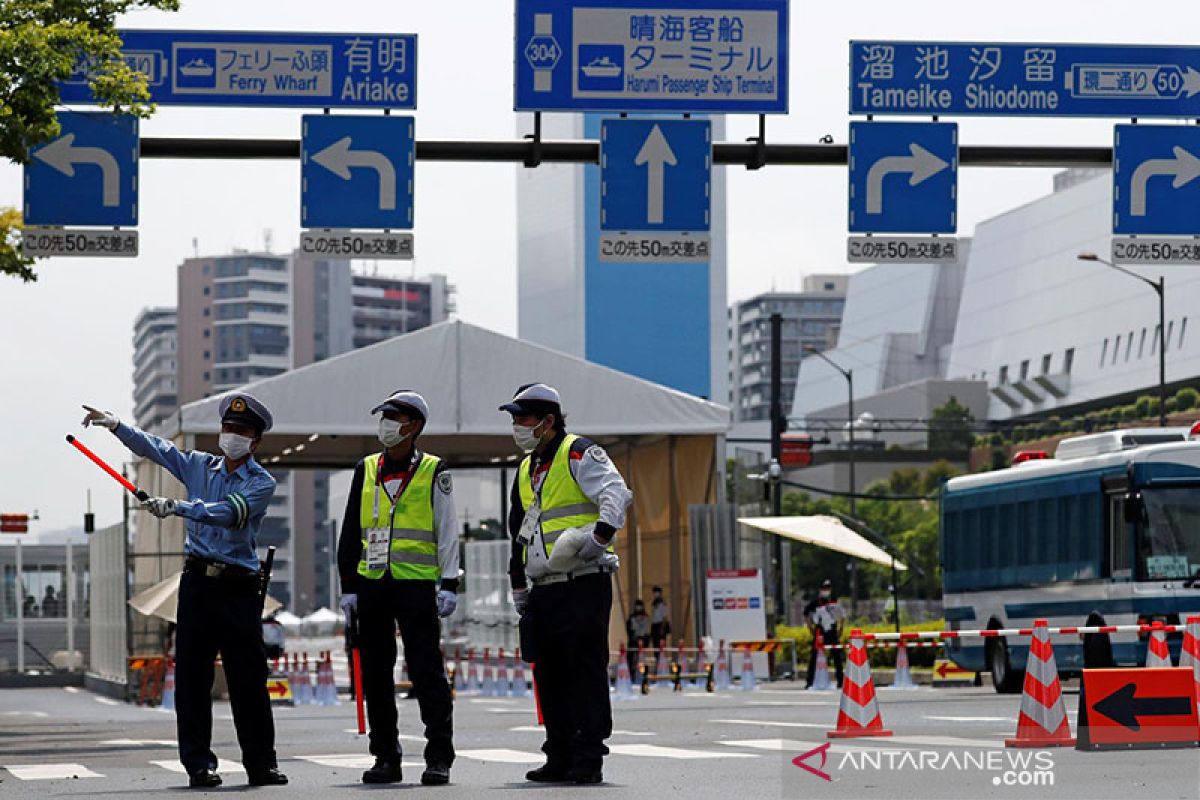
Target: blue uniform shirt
x=224, y=510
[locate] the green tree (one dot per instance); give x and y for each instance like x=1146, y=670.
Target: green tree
x=950, y=427
x=41, y=42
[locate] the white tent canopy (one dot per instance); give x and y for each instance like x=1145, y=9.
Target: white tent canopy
x=827, y=532
x=322, y=411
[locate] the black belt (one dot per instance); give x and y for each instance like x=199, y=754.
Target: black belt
x=211, y=568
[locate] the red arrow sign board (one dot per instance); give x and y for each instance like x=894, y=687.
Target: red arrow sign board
x=946, y=669
x=1122, y=709
x=279, y=689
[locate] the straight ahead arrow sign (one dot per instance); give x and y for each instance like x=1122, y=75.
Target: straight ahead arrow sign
x=655, y=153
x=338, y=158
x=1183, y=168
x=921, y=165
x=1123, y=708
x=62, y=155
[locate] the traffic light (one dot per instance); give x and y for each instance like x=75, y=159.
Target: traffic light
x=89, y=522
x=14, y=523
x=795, y=449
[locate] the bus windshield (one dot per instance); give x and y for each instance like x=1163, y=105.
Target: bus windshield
x=1169, y=542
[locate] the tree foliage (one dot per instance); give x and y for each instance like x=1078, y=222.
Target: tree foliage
x=41, y=43
x=950, y=427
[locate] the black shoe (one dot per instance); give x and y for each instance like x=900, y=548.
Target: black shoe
x=436, y=774
x=204, y=779
x=271, y=776
x=547, y=774
x=384, y=772
x=585, y=775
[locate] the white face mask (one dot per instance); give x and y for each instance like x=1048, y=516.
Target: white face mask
x=525, y=437
x=389, y=432
x=235, y=446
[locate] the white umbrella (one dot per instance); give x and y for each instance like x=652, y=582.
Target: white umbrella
x=321, y=622
x=822, y=531
x=162, y=600
x=289, y=621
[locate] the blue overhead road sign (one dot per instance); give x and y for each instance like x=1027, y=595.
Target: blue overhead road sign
x=903, y=177
x=729, y=56
x=356, y=172
x=86, y=176
x=655, y=174
x=1156, y=180
x=304, y=70
x=987, y=78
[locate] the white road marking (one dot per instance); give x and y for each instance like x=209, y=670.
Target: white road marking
x=945, y=741
x=529, y=710
x=71, y=689
x=493, y=700
x=830, y=702
x=503, y=756
x=537, y=729
x=774, y=745
x=106, y=701
x=222, y=766
x=656, y=751
x=973, y=719
x=36, y=714
x=50, y=772
x=770, y=723
x=140, y=743
x=351, y=761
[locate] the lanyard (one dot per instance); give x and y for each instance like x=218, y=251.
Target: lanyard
x=405, y=478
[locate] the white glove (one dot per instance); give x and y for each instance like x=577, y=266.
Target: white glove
x=592, y=548
x=349, y=606
x=161, y=507
x=520, y=600
x=105, y=419
x=565, y=557
x=447, y=601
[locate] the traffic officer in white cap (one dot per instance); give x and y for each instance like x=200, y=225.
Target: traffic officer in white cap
x=398, y=560
x=220, y=608
x=568, y=502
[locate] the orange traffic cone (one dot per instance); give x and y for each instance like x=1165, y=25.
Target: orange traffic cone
x=858, y=713
x=168, y=693
x=1157, y=652
x=821, y=682
x=1043, y=718
x=1189, y=654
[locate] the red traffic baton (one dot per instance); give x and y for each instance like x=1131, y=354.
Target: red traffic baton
x=99, y=462
x=358, y=689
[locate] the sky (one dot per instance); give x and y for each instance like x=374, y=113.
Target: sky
x=67, y=339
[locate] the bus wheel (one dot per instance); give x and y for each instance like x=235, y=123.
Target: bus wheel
x=1097, y=647
x=1005, y=679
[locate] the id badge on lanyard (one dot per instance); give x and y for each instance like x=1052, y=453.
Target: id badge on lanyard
x=533, y=514
x=378, y=542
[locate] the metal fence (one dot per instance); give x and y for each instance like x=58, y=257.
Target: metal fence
x=109, y=613
x=489, y=616
x=44, y=606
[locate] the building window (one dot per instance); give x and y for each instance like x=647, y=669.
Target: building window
x=1103, y=352
x=1142, y=343
x=207, y=311
x=1046, y=364
x=1024, y=369
x=207, y=291
x=1116, y=349
x=1068, y=359
x=207, y=355
x=207, y=269
x=207, y=333
x=1182, y=331
x=206, y=378
x=1004, y=375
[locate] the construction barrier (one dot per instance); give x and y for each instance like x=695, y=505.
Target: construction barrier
x=1157, y=653
x=1128, y=709
x=1189, y=654
x=1042, y=721
x=910, y=636
x=858, y=712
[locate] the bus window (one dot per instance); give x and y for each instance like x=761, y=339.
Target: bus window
x=1119, y=566
x=1169, y=544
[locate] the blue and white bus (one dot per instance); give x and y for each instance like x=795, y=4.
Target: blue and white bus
x=1107, y=532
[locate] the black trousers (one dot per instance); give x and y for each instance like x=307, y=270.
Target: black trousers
x=221, y=615
x=834, y=655
x=382, y=604
x=570, y=624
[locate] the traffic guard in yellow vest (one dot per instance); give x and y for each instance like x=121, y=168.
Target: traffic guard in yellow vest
x=568, y=502
x=398, y=560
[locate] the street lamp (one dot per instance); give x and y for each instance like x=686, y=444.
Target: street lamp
x=849, y=376
x=1159, y=287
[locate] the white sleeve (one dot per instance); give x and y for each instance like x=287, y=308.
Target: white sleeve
x=445, y=523
x=604, y=486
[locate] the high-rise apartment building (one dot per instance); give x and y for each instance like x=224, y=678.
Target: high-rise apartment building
x=155, y=371
x=810, y=319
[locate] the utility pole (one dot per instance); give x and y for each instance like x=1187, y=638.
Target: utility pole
x=773, y=469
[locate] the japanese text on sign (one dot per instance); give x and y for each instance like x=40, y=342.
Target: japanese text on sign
x=642, y=248
x=357, y=244
x=663, y=53
x=1142, y=250
x=46, y=242
x=900, y=249
x=1023, y=79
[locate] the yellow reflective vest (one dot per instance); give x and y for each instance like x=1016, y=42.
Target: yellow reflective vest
x=405, y=528
x=563, y=503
